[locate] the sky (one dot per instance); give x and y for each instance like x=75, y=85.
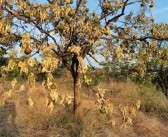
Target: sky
x=161, y=11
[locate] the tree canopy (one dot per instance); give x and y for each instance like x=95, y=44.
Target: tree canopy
x=65, y=32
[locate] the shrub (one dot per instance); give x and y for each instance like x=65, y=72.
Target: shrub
x=154, y=101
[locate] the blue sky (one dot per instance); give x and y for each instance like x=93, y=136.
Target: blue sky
x=161, y=11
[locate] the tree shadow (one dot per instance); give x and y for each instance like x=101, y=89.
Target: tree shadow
x=8, y=114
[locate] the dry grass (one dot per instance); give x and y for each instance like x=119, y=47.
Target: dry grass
x=128, y=92
x=16, y=119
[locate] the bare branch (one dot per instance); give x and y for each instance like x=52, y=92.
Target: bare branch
x=96, y=60
x=78, y=3
x=119, y=15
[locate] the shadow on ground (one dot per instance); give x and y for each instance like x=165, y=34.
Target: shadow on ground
x=8, y=114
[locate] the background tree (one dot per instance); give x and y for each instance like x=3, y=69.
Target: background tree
x=65, y=32
x=149, y=64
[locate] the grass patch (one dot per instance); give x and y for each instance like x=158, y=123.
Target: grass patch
x=154, y=101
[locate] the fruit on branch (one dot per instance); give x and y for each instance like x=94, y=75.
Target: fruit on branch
x=87, y=9
x=27, y=14
x=61, y=27
x=68, y=20
x=71, y=1
x=102, y=110
x=152, y=19
x=151, y=5
x=71, y=13
x=53, y=86
x=96, y=20
x=27, y=50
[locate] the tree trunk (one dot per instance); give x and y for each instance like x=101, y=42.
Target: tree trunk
x=77, y=99
x=75, y=74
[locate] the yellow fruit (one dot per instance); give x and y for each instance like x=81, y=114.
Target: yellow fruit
x=96, y=20
x=71, y=1
x=27, y=14
x=87, y=9
x=53, y=86
x=152, y=19
x=68, y=20
x=71, y=13
x=61, y=27
x=103, y=110
x=27, y=50
x=151, y=5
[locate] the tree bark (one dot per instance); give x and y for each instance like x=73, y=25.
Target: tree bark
x=77, y=99
x=75, y=74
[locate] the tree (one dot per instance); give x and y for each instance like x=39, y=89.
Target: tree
x=65, y=32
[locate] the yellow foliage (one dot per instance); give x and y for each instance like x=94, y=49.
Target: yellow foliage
x=75, y=49
x=51, y=106
x=30, y=102
x=13, y=83
x=31, y=78
x=49, y=64
x=7, y=94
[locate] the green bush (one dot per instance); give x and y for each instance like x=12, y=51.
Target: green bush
x=153, y=101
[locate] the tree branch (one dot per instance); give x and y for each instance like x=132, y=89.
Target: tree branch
x=119, y=15
x=96, y=60
x=78, y=3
